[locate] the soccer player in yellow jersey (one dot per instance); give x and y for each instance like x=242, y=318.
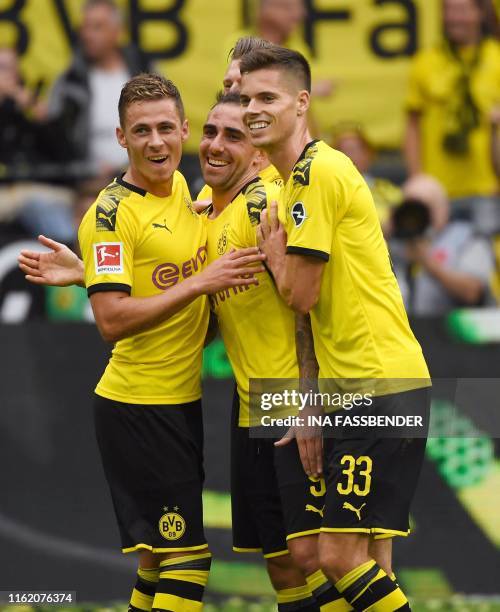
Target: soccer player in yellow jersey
x=144, y=253
x=275, y=507
x=333, y=262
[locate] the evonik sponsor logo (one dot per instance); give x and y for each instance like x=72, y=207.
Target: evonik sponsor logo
x=169, y=274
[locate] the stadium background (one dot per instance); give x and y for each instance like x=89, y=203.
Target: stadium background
x=56, y=525
x=366, y=45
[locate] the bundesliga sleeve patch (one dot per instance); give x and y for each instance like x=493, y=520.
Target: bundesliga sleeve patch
x=298, y=213
x=108, y=258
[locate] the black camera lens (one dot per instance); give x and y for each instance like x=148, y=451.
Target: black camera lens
x=410, y=220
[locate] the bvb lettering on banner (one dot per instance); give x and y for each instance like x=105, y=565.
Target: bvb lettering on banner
x=364, y=45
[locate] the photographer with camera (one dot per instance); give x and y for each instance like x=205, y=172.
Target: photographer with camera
x=440, y=264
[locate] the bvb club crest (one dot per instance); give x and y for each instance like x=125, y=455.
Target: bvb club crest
x=172, y=526
x=222, y=242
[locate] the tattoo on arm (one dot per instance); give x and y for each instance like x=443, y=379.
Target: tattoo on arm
x=306, y=357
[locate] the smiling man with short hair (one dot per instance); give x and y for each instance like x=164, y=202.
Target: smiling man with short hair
x=333, y=263
x=144, y=252
x=276, y=507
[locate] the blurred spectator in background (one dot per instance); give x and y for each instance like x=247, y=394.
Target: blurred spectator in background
x=353, y=142
x=84, y=99
x=280, y=22
x=75, y=138
x=26, y=144
x=440, y=264
x=21, y=117
x=453, y=89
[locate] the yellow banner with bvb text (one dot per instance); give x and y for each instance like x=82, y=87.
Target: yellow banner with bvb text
x=363, y=45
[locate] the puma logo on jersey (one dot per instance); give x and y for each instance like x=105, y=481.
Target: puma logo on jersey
x=348, y=506
x=105, y=219
x=164, y=226
x=256, y=199
x=107, y=206
x=302, y=169
x=310, y=508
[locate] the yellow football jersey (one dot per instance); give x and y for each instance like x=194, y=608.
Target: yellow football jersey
x=271, y=175
x=257, y=328
x=142, y=244
x=359, y=324
x=268, y=175
x=205, y=193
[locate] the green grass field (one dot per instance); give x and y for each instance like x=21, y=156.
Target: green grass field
x=245, y=587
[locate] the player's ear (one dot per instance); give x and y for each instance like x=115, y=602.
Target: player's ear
x=120, y=136
x=303, y=102
x=185, y=130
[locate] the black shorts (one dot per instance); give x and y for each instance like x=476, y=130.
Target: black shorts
x=153, y=462
x=272, y=499
x=371, y=481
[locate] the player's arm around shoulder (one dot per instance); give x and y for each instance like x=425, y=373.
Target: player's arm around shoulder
x=109, y=272
x=118, y=315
